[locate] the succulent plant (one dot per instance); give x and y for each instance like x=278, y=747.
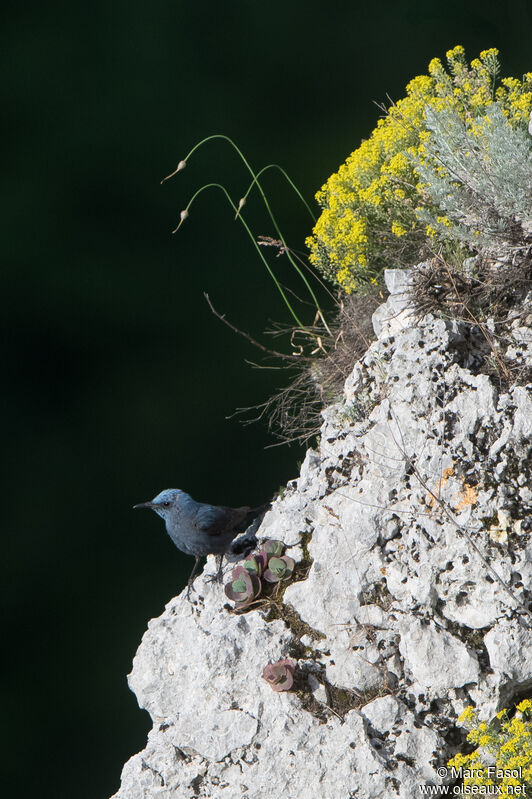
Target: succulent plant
x=269, y=564
x=273, y=548
x=244, y=587
x=256, y=563
x=279, y=568
x=280, y=675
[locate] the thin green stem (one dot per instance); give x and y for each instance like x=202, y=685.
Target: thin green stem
x=288, y=179
x=252, y=237
x=267, y=205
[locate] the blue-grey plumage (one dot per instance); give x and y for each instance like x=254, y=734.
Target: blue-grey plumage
x=197, y=528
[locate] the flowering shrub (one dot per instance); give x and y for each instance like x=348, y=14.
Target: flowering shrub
x=504, y=751
x=481, y=184
x=385, y=205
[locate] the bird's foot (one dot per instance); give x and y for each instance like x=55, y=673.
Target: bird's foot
x=218, y=577
x=192, y=577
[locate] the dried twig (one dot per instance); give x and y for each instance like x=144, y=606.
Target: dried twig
x=253, y=341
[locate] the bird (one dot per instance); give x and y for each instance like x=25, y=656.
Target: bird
x=200, y=529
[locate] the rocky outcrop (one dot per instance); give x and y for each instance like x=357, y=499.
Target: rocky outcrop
x=414, y=517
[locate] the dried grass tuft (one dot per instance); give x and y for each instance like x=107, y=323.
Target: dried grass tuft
x=293, y=413
x=488, y=296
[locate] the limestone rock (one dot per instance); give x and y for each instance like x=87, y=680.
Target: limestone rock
x=399, y=623
x=425, y=648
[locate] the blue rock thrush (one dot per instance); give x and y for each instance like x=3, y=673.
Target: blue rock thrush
x=199, y=529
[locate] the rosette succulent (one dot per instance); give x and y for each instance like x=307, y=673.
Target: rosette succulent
x=256, y=563
x=244, y=587
x=268, y=564
x=279, y=568
x=273, y=548
x=280, y=675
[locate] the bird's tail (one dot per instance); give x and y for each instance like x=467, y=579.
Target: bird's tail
x=254, y=513
x=245, y=543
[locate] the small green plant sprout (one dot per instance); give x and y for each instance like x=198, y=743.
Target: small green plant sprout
x=244, y=588
x=503, y=757
x=280, y=675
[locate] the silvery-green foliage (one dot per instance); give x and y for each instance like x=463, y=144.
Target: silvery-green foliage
x=478, y=174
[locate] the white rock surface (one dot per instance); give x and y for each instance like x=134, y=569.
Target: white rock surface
x=398, y=625
x=425, y=647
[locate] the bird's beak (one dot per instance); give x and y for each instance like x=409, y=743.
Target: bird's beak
x=143, y=505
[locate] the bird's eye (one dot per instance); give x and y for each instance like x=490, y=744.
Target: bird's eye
x=166, y=504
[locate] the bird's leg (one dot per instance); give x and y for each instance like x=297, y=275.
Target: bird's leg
x=192, y=575
x=219, y=573
x=218, y=576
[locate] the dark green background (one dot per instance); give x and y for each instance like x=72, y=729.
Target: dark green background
x=117, y=379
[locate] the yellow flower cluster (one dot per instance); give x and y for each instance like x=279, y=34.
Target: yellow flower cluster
x=515, y=98
x=507, y=743
x=371, y=201
x=398, y=230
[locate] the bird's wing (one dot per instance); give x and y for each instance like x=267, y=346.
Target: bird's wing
x=215, y=520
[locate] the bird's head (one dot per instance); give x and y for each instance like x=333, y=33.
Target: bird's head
x=167, y=503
